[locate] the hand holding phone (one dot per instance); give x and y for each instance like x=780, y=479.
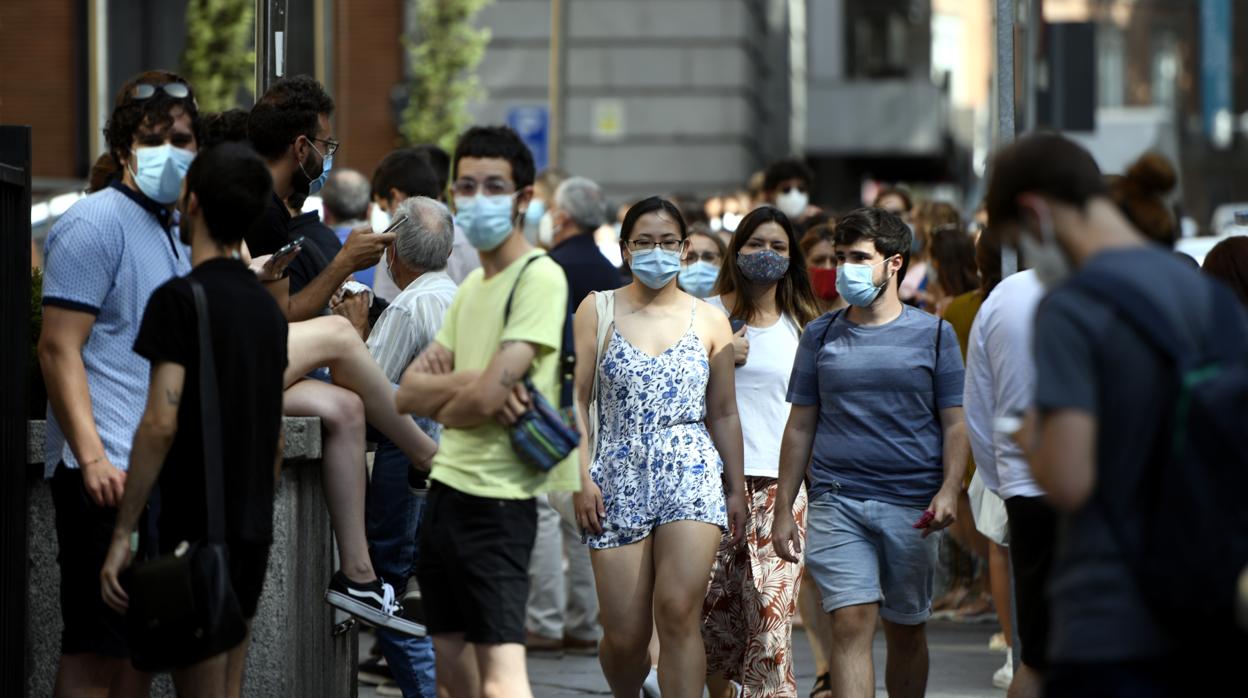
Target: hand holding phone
x=274, y=268
x=925, y=520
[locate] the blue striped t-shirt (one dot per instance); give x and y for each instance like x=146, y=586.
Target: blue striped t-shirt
x=879, y=390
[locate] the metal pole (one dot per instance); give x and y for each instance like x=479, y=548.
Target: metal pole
x=557, y=77
x=1031, y=58
x=271, y=42
x=1005, y=119
x=1005, y=71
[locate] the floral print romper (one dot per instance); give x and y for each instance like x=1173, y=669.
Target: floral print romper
x=655, y=462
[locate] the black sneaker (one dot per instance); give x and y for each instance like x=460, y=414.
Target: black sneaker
x=374, y=671
x=372, y=603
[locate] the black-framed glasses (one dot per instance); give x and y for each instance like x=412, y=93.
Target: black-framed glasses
x=147, y=90
x=647, y=245
x=493, y=186
x=331, y=146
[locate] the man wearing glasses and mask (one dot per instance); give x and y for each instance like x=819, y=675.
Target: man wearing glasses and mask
x=289, y=127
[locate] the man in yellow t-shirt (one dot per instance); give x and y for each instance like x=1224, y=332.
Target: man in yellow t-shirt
x=481, y=516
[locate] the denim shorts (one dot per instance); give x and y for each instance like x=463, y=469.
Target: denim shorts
x=862, y=552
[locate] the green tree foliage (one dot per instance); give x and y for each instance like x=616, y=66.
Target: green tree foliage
x=443, y=56
x=219, y=58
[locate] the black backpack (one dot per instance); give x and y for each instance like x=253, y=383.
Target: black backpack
x=1195, y=540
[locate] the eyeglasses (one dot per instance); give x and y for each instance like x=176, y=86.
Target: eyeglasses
x=647, y=245
x=331, y=146
x=494, y=186
x=146, y=90
x=706, y=256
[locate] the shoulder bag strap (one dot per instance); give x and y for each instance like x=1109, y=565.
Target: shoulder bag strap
x=210, y=416
x=512, y=295
x=823, y=340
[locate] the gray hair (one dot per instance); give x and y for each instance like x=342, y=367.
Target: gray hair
x=346, y=194
x=582, y=199
x=424, y=240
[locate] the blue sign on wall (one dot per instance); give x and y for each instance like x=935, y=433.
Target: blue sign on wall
x=533, y=125
x=1215, y=61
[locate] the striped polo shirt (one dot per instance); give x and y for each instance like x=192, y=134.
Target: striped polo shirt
x=879, y=390
x=106, y=256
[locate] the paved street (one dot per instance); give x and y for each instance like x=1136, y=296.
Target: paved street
x=961, y=666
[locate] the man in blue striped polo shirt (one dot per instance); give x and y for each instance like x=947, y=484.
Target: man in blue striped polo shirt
x=104, y=258
x=877, y=413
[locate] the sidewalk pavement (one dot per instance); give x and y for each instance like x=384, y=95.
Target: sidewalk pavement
x=961, y=666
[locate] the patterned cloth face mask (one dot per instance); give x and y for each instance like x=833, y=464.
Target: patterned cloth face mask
x=765, y=267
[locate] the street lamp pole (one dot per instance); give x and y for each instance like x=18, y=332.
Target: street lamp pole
x=271, y=40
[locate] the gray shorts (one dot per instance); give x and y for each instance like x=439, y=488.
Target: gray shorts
x=862, y=552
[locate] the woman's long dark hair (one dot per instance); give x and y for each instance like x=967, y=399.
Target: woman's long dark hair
x=793, y=293
x=953, y=252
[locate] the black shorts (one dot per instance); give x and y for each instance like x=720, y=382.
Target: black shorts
x=474, y=564
x=1033, y=538
x=84, y=533
x=248, y=564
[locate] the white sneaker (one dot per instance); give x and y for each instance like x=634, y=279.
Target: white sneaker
x=1005, y=675
x=650, y=689
x=996, y=643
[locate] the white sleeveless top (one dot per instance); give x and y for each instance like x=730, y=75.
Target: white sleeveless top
x=761, y=387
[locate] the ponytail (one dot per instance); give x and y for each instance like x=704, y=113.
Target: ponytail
x=103, y=171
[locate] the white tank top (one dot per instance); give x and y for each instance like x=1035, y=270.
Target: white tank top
x=761, y=387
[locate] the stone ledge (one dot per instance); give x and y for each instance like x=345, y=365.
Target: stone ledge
x=303, y=439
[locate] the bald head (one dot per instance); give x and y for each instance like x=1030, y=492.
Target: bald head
x=424, y=240
x=346, y=196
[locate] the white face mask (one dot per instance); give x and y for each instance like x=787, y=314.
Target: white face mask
x=1045, y=256
x=792, y=202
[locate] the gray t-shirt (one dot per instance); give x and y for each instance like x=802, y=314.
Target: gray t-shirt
x=880, y=390
x=1089, y=359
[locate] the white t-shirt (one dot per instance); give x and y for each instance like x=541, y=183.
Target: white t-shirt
x=1001, y=382
x=761, y=386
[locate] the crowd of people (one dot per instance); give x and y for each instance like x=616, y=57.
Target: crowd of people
x=661, y=433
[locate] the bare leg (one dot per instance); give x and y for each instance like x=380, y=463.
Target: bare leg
x=719, y=687
x=503, y=671
x=999, y=582
x=683, y=554
x=332, y=342
x=850, y=662
x=456, y=667
x=205, y=679
x=624, y=577
x=906, y=673
x=818, y=624
x=94, y=675
x=343, y=472
x=1027, y=683
x=236, y=661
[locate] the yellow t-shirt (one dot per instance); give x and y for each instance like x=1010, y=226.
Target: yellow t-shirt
x=480, y=460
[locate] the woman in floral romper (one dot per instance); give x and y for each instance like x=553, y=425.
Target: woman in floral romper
x=665, y=480
x=748, y=615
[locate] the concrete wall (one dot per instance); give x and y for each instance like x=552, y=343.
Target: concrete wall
x=700, y=86
x=293, y=652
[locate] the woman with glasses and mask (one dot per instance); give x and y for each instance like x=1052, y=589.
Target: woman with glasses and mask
x=703, y=258
x=765, y=290
x=661, y=474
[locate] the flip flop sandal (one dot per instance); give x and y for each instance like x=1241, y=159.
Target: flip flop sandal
x=823, y=684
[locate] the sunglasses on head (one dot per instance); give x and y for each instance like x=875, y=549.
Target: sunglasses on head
x=146, y=90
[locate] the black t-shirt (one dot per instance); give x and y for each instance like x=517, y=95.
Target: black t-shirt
x=321, y=245
x=249, y=347
x=271, y=230
x=587, y=270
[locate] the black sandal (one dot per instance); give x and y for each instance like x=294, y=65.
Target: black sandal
x=823, y=684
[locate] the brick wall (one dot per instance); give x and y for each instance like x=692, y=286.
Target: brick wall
x=39, y=84
x=368, y=63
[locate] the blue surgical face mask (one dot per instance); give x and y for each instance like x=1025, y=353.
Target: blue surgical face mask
x=698, y=279
x=533, y=214
x=486, y=220
x=856, y=283
x=319, y=182
x=158, y=170
x=655, y=268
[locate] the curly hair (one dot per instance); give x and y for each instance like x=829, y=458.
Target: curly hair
x=131, y=113
x=290, y=108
